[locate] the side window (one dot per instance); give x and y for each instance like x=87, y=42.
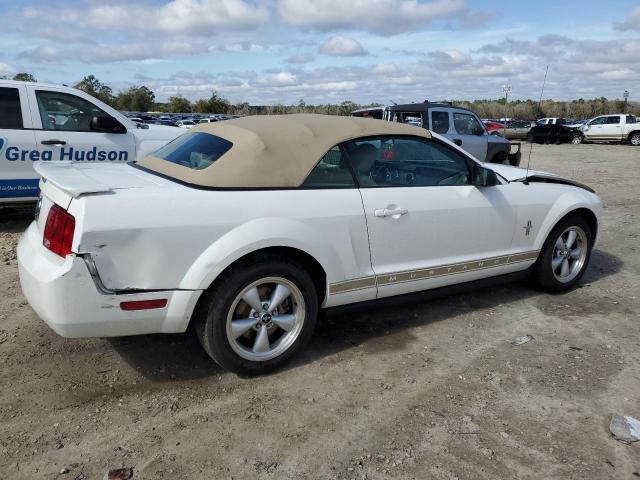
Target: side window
x=406, y=162
x=598, y=121
x=467, y=124
x=631, y=119
x=412, y=118
x=332, y=171
x=63, y=111
x=613, y=120
x=10, y=111
x=439, y=122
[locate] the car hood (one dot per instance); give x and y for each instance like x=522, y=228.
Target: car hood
x=158, y=132
x=517, y=174
x=511, y=174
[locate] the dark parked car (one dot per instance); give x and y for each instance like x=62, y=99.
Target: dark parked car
x=556, y=132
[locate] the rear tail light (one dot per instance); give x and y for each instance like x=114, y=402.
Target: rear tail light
x=58, y=231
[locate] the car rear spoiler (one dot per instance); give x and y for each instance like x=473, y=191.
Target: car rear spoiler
x=69, y=177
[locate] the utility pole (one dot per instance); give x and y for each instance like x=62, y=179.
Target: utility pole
x=626, y=100
x=506, y=89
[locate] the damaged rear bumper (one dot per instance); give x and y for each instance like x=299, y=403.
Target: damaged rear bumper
x=64, y=294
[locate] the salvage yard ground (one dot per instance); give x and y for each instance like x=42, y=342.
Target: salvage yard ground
x=430, y=390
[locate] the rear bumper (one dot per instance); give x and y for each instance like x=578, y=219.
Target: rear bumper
x=64, y=294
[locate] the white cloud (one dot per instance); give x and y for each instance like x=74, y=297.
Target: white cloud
x=6, y=70
x=41, y=54
x=184, y=17
x=383, y=17
x=281, y=79
x=630, y=23
x=342, y=46
x=300, y=58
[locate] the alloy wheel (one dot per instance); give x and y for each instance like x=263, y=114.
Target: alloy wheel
x=569, y=254
x=265, y=319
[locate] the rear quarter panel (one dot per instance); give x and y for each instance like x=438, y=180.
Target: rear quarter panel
x=183, y=237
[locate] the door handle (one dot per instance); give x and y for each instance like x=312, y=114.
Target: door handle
x=457, y=141
x=386, y=212
x=53, y=142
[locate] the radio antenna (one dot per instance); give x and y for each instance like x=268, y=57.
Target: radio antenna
x=539, y=109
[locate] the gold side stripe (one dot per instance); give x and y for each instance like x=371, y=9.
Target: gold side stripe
x=421, y=274
x=350, y=285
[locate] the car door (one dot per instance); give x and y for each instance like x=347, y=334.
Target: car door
x=18, y=180
x=64, y=132
x=428, y=226
x=469, y=134
x=594, y=129
x=612, y=128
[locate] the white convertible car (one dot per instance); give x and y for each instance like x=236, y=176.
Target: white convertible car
x=246, y=228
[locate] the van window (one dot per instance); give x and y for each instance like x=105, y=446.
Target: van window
x=439, y=122
x=467, y=124
x=63, y=111
x=10, y=111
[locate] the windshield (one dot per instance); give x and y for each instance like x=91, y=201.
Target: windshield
x=194, y=150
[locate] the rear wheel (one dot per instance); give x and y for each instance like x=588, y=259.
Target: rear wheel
x=258, y=315
x=634, y=139
x=565, y=255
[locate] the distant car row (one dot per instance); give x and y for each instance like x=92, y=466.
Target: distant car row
x=179, y=120
x=605, y=128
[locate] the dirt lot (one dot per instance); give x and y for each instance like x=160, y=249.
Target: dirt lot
x=432, y=390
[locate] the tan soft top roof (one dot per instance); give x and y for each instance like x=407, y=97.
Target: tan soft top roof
x=275, y=150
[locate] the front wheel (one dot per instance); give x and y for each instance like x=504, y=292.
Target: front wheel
x=577, y=139
x=634, y=139
x=565, y=255
x=258, y=315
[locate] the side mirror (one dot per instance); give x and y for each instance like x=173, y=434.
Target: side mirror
x=484, y=177
x=107, y=125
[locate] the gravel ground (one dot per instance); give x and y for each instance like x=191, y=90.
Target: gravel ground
x=430, y=390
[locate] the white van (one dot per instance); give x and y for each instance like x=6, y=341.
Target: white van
x=40, y=122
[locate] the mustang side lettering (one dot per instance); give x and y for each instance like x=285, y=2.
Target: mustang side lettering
x=244, y=229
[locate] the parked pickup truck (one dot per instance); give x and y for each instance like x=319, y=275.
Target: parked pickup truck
x=610, y=128
x=40, y=122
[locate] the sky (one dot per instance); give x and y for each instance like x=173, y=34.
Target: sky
x=328, y=51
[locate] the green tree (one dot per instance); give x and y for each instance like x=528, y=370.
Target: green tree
x=213, y=104
x=24, y=77
x=135, y=99
x=178, y=104
x=94, y=87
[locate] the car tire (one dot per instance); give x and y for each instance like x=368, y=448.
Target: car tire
x=577, y=139
x=564, y=256
x=634, y=139
x=245, y=340
x=500, y=158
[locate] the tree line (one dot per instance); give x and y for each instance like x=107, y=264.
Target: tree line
x=142, y=99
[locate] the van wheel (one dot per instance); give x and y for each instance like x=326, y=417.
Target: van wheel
x=634, y=139
x=501, y=158
x=564, y=256
x=258, y=315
